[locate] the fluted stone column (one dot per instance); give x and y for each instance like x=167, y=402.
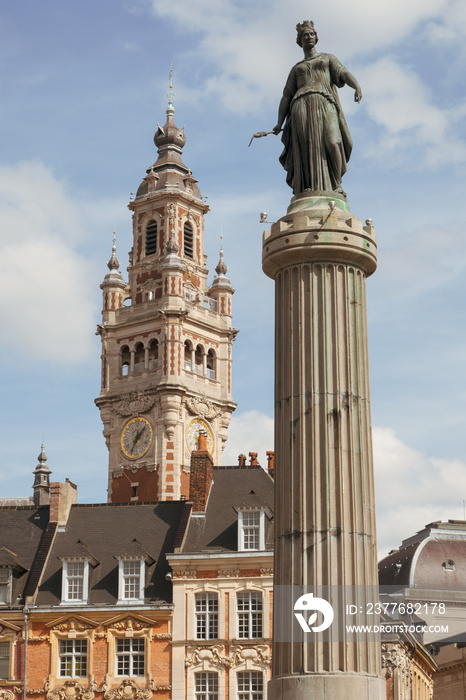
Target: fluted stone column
x=319, y=256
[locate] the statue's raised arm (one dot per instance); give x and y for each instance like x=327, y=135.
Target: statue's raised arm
x=316, y=139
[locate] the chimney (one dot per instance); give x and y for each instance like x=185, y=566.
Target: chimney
x=62, y=497
x=242, y=460
x=201, y=477
x=253, y=461
x=271, y=462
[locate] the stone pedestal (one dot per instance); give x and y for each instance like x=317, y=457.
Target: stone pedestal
x=319, y=256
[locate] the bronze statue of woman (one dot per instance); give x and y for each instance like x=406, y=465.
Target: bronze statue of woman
x=317, y=143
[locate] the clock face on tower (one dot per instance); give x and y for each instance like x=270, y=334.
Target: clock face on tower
x=136, y=437
x=194, y=428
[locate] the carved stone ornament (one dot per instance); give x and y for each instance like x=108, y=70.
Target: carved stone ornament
x=171, y=210
x=266, y=572
x=228, y=573
x=259, y=654
x=184, y=574
x=128, y=690
x=397, y=656
x=159, y=688
x=130, y=623
x=134, y=403
x=70, y=690
x=214, y=655
x=6, y=695
x=72, y=624
x=202, y=407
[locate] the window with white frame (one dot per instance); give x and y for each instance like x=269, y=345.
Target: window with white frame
x=72, y=655
x=206, y=686
x=75, y=581
x=130, y=657
x=206, y=615
x=249, y=610
x=250, y=685
x=5, y=660
x=131, y=581
x=251, y=530
x=5, y=585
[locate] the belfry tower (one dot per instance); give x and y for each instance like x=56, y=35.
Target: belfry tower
x=166, y=337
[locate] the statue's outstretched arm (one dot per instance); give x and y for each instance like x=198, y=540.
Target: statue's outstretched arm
x=282, y=112
x=352, y=82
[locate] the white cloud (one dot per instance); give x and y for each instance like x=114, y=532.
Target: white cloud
x=450, y=28
x=248, y=48
x=47, y=312
x=398, y=101
x=423, y=259
x=250, y=431
x=412, y=489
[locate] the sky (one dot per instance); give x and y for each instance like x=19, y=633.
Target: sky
x=83, y=86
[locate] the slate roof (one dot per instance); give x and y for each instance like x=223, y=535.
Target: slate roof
x=233, y=488
x=21, y=531
x=420, y=561
x=104, y=532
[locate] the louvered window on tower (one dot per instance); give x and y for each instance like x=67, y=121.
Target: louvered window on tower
x=151, y=238
x=188, y=240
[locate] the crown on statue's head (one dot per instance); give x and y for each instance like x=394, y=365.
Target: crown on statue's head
x=305, y=23
x=301, y=26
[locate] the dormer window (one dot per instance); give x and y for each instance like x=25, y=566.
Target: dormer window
x=5, y=585
x=75, y=581
x=131, y=581
x=251, y=530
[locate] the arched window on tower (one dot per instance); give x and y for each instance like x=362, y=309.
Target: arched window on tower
x=151, y=238
x=210, y=364
x=125, y=360
x=153, y=354
x=188, y=356
x=199, y=360
x=188, y=240
x=139, y=358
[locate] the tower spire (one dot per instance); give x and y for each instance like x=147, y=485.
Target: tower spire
x=41, y=486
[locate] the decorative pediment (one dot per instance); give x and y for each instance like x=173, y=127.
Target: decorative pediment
x=129, y=622
x=258, y=654
x=214, y=655
x=128, y=690
x=70, y=690
x=74, y=623
x=8, y=626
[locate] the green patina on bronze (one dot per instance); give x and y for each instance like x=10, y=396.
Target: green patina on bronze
x=316, y=139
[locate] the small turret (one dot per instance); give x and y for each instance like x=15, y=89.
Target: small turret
x=41, y=486
x=221, y=288
x=113, y=286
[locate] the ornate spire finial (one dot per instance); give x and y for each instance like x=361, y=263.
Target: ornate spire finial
x=221, y=268
x=113, y=263
x=171, y=94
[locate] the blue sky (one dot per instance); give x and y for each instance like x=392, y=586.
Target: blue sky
x=83, y=87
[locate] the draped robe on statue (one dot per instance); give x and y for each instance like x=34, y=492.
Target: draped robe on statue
x=314, y=122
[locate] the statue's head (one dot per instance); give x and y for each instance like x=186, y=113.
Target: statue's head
x=303, y=26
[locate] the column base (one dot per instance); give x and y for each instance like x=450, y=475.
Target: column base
x=328, y=686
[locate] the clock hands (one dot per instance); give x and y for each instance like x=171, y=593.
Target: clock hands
x=136, y=439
